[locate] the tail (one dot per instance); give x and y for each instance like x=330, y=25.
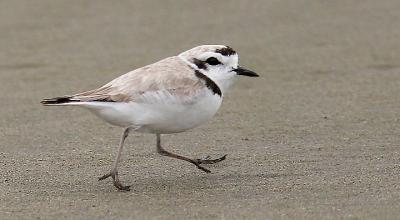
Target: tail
x=59, y=100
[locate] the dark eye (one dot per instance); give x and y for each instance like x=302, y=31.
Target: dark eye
x=213, y=61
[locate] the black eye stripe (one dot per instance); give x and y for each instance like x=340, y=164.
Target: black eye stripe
x=213, y=61
x=200, y=64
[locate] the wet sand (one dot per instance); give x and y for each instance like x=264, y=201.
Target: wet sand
x=316, y=137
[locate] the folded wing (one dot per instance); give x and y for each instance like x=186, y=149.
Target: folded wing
x=170, y=77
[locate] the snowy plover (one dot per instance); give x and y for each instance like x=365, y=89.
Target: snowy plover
x=172, y=95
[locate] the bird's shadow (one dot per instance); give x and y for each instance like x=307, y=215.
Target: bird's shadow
x=192, y=182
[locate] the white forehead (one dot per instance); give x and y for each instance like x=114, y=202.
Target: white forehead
x=196, y=51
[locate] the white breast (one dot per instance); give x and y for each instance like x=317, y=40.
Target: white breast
x=160, y=112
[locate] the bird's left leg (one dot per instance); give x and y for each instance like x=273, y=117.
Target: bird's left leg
x=114, y=172
x=196, y=162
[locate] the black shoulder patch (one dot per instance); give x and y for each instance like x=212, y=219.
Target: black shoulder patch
x=200, y=64
x=226, y=51
x=209, y=83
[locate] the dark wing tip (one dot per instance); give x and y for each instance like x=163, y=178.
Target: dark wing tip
x=57, y=100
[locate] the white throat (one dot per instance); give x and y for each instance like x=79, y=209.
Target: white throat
x=224, y=81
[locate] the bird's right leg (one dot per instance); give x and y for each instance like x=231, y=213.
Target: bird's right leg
x=114, y=172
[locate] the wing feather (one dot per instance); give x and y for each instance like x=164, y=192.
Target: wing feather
x=170, y=76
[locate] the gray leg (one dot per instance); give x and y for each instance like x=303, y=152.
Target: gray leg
x=196, y=162
x=114, y=172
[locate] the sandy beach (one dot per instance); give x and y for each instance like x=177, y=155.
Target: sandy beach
x=315, y=137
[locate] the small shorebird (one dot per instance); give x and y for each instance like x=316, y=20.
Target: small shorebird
x=172, y=95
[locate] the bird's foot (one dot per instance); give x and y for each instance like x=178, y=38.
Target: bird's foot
x=207, y=160
x=114, y=175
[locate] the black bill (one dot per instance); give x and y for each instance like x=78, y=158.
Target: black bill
x=245, y=72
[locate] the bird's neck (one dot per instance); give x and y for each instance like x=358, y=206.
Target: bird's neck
x=223, y=82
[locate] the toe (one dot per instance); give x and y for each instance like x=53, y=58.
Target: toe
x=121, y=187
x=105, y=176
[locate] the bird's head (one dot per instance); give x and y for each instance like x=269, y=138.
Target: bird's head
x=218, y=62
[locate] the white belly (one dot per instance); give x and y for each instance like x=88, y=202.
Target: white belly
x=159, y=117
